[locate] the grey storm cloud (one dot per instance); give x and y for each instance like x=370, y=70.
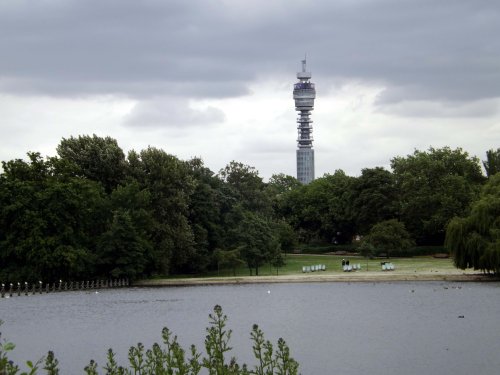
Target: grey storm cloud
x=167, y=112
x=417, y=50
x=444, y=109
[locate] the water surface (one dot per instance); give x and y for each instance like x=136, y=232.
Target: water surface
x=331, y=328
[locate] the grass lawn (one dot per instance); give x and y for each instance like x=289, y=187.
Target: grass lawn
x=333, y=263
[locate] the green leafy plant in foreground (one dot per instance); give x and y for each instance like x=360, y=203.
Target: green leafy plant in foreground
x=171, y=358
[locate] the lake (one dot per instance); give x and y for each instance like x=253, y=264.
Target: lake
x=331, y=328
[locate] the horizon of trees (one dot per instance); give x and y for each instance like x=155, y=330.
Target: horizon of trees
x=92, y=211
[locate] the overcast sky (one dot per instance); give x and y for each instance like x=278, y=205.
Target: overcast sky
x=214, y=79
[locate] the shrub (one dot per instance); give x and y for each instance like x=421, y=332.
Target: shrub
x=172, y=358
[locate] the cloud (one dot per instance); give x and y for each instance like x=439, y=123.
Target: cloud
x=446, y=109
x=423, y=50
x=171, y=113
x=214, y=78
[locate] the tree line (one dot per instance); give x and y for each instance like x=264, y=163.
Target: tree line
x=92, y=211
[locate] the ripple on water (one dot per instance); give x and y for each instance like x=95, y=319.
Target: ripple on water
x=376, y=328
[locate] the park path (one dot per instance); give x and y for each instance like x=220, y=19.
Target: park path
x=361, y=276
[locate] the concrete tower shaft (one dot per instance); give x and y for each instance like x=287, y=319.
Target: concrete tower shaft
x=304, y=94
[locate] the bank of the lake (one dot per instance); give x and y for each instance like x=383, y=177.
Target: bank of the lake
x=369, y=276
x=426, y=268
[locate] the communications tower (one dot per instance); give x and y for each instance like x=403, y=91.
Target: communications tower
x=304, y=94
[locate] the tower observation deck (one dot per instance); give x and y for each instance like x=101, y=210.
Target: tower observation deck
x=304, y=94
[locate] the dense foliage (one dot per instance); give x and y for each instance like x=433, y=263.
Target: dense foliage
x=172, y=358
x=92, y=211
x=474, y=240
x=424, y=191
x=492, y=162
x=388, y=236
x=435, y=186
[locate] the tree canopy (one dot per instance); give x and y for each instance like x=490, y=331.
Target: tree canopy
x=474, y=240
x=375, y=198
x=492, y=162
x=93, y=212
x=321, y=210
x=98, y=159
x=388, y=236
x=435, y=186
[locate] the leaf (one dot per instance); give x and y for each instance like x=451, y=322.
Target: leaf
x=8, y=346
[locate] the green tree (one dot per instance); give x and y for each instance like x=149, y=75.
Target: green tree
x=435, y=186
x=277, y=188
x=48, y=223
x=136, y=200
x=228, y=258
x=321, y=210
x=375, y=198
x=170, y=184
x=367, y=250
x=285, y=235
x=257, y=240
x=474, y=240
x=492, y=162
x=206, y=206
x=121, y=249
x=388, y=236
x=98, y=159
x=246, y=187
x=281, y=183
x=278, y=261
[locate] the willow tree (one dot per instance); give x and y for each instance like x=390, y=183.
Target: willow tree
x=474, y=241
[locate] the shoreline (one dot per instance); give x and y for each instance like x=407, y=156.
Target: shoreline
x=388, y=276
